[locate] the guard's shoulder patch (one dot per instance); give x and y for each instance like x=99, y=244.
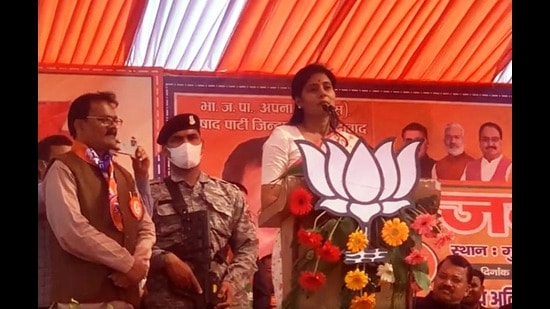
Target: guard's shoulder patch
x=227, y=185
x=217, y=179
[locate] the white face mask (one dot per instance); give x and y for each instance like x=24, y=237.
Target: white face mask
x=186, y=155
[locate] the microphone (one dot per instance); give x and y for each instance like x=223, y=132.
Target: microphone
x=335, y=120
x=329, y=108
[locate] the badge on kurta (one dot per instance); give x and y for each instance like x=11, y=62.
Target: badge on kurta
x=136, y=207
x=116, y=216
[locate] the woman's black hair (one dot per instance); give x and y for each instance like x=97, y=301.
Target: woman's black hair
x=299, y=82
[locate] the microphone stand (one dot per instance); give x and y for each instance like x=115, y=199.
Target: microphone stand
x=335, y=120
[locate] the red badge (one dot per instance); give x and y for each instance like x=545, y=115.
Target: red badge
x=136, y=207
x=115, y=214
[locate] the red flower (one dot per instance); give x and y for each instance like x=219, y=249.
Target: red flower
x=415, y=257
x=309, y=238
x=423, y=225
x=328, y=252
x=310, y=281
x=300, y=202
x=443, y=237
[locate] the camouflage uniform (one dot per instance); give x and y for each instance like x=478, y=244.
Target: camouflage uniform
x=230, y=223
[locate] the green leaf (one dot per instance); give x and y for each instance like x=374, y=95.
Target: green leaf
x=423, y=267
x=400, y=269
x=422, y=279
x=417, y=239
x=327, y=227
x=345, y=227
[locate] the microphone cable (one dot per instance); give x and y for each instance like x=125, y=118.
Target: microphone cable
x=335, y=120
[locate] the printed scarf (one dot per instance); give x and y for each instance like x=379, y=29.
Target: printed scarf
x=105, y=165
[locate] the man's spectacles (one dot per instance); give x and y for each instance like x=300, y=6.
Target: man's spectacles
x=454, y=279
x=107, y=121
x=494, y=139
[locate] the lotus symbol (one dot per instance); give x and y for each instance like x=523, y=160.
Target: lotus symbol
x=363, y=184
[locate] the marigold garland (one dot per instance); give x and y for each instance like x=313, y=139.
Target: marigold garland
x=365, y=301
x=356, y=280
x=357, y=241
x=394, y=236
x=395, y=232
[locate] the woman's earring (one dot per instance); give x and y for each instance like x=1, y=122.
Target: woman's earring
x=299, y=107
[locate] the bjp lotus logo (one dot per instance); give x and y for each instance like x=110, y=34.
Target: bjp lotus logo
x=363, y=184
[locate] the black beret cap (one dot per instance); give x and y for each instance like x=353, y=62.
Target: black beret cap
x=178, y=123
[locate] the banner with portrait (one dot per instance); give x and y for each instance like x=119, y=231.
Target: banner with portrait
x=238, y=114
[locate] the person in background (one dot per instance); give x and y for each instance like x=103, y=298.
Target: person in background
x=452, y=165
x=477, y=289
x=48, y=148
x=172, y=283
x=416, y=131
x=450, y=285
x=313, y=120
x=243, y=167
x=103, y=234
x=493, y=165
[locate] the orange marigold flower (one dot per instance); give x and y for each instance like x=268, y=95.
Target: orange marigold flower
x=309, y=238
x=328, y=252
x=310, y=281
x=365, y=301
x=300, y=202
x=356, y=280
x=395, y=232
x=357, y=241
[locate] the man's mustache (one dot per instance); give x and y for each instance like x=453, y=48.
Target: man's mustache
x=112, y=132
x=445, y=288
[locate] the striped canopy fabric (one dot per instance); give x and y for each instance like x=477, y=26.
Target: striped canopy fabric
x=444, y=41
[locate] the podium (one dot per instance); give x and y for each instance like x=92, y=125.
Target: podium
x=329, y=295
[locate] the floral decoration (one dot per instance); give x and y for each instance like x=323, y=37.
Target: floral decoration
x=363, y=216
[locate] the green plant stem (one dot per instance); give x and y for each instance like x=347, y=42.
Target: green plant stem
x=316, y=264
x=329, y=237
x=334, y=228
x=317, y=219
x=416, y=211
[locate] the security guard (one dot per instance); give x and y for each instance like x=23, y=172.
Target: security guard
x=176, y=279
